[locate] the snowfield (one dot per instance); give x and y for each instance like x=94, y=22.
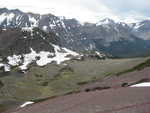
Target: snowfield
x=41, y=59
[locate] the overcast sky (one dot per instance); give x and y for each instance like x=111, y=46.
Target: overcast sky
x=85, y=10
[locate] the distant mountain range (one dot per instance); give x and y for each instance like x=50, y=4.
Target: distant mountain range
x=118, y=39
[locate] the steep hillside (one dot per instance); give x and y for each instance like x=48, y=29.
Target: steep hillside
x=22, y=47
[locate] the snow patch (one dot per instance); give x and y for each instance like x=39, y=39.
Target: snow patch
x=33, y=21
x=5, y=66
x=1, y=65
x=3, y=17
x=57, y=34
x=25, y=37
x=63, y=25
x=45, y=58
x=99, y=54
x=7, y=17
x=146, y=84
x=105, y=21
x=44, y=28
x=14, y=60
x=52, y=26
x=26, y=103
x=28, y=58
x=29, y=29
x=138, y=25
x=62, y=54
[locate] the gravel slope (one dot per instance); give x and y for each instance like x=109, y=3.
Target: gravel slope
x=123, y=100
x=92, y=99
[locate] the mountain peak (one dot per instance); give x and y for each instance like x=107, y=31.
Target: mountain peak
x=16, y=11
x=105, y=21
x=5, y=10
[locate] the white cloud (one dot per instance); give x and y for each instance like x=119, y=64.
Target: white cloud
x=84, y=10
x=81, y=9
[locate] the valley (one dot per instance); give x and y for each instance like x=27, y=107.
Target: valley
x=40, y=83
x=51, y=62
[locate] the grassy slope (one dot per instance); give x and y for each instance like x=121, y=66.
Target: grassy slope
x=53, y=80
x=137, y=67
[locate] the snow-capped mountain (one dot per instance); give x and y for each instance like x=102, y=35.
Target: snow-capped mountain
x=49, y=22
x=116, y=38
x=142, y=29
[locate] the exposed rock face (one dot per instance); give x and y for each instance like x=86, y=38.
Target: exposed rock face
x=17, y=41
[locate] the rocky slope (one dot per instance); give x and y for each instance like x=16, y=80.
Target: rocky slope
x=123, y=100
x=21, y=47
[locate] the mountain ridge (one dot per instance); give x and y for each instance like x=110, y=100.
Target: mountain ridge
x=73, y=35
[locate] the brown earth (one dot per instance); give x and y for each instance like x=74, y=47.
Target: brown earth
x=119, y=81
x=123, y=100
x=92, y=99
